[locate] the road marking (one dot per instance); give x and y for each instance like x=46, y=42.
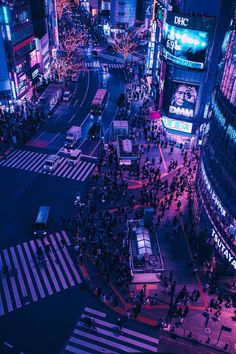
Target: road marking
x=12, y=280
x=19, y=274
x=53, y=138
x=86, y=91
x=6, y=290
x=71, y=119
x=39, y=136
x=104, y=341
x=82, y=142
x=71, y=349
x=85, y=119
x=112, y=120
x=86, y=344
x=75, y=103
x=8, y=345
x=96, y=147
x=95, y=312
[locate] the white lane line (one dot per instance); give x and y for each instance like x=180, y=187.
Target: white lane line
x=42, y=271
x=88, y=172
x=51, y=272
x=6, y=290
x=58, y=269
x=1, y=307
x=112, y=120
x=86, y=90
x=66, y=238
x=71, y=119
x=105, y=341
x=69, y=170
x=39, y=136
x=97, y=348
x=19, y=274
x=27, y=274
x=95, y=312
x=128, y=331
x=39, y=168
x=88, y=115
x=74, y=350
x=37, y=161
x=34, y=271
x=79, y=178
x=82, y=143
x=12, y=281
x=68, y=258
x=75, y=103
x=78, y=171
x=95, y=147
x=55, y=137
x=59, y=255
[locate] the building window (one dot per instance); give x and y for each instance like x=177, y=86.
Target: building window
x=121, y=13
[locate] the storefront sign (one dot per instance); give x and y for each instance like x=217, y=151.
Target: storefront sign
x=214, y=197
x=178, y=125
x=224, y=249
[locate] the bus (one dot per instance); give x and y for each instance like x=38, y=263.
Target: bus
x=99, y=101
x=41, y=222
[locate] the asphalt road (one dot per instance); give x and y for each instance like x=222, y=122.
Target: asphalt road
x=43, y=326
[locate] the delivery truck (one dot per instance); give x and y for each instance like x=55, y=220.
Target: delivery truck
x=72, y=137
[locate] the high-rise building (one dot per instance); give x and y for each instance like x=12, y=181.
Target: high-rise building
x=19, y=48
x=123, y=13
x=186, y=62
x=216, y=178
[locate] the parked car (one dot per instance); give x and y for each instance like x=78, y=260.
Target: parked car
x=74, y=77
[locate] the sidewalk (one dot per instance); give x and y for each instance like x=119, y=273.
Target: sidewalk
x=176, y=252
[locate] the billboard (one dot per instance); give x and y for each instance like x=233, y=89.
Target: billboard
x=185, y=39
x=182, y=100
x=178, y=125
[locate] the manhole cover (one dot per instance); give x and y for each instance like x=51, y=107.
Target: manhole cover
x=207, y=330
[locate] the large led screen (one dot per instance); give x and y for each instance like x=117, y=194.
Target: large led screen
x=182, y=101
x=185, y=46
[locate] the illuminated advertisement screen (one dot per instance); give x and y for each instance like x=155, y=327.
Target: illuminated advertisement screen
x=178, y=125
x=185, y=46
x=182, y=100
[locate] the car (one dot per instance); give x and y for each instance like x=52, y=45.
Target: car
x=121, y=99
x=95, y=53
x=104, y=67
x=74, y=77
x=51, y=163
x=67, y=96
x=94, y=131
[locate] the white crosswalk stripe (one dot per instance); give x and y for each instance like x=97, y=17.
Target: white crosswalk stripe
x=29, y=280
x=96, y=65
x=34, y=161
x=106, y=339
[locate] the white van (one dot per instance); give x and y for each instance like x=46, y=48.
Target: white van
x=51, y=163
x=74, y=157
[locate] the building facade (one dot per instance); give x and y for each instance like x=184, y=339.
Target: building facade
x=216, y=178
x=123, y=13
x=188, y=40
x=19, y=49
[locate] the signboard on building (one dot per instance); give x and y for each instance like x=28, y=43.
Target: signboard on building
x=182, y=101
x=178, y=125
x=224, y=249
x=186, y=39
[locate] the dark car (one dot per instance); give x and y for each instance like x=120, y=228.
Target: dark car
x=121, y=99
x=94, y=131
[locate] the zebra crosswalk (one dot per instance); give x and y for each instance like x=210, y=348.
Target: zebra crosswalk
x=34, y=162
x=106, y=339
x=97, y=65
x=29, y=280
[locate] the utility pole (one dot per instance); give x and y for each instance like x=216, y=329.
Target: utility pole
x=169, y=313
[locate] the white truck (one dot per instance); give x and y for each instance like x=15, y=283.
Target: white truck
x=72, y=136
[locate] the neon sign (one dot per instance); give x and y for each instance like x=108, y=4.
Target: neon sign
x=178, y=125
x=223, y=248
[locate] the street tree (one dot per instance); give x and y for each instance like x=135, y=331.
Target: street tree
x=125, y=44
x=61, y=6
